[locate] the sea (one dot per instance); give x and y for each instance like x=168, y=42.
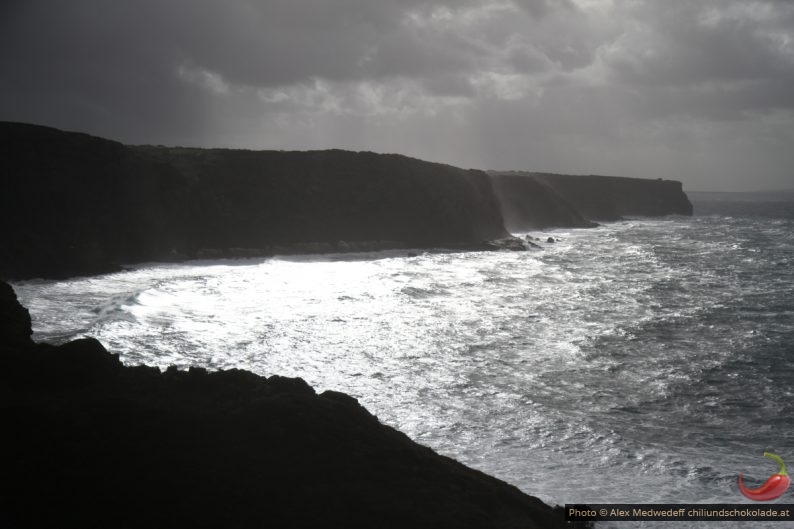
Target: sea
x=648, y=360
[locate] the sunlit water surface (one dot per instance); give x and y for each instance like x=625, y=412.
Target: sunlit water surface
x=641, y=361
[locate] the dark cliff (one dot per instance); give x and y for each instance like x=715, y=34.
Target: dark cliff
x=528, y=203
x=76, y=204
x=604, y=198
x=89, y=442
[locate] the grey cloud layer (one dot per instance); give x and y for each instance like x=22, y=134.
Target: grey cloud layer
x=641, y=87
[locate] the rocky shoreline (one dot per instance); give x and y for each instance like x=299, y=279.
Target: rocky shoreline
x=91, y=443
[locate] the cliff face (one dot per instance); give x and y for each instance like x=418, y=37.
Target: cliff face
x=528, y=203
x=76, y=204
x=89, y=442
x=240, y=198
x=605, y=198
x=60, y=196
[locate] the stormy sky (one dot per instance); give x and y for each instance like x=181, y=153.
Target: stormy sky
x=695, y=90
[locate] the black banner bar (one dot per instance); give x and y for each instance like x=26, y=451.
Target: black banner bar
x=680, y=512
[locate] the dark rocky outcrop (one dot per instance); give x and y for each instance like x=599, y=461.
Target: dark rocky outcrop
x=15, y=327
x=593, y=197
x=74, y=204
x=91, y=443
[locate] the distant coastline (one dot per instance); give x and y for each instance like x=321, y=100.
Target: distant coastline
x=82, y=205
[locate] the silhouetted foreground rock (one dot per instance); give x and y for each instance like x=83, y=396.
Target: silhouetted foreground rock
x=15, y=325
x=75, y=204
x=538, y=200
x=90, y=443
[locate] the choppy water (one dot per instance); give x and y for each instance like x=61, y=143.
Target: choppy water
x=641, y=361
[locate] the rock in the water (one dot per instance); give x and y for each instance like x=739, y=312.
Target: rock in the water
x=530, y=241
x=550, y=239
x=513, y=244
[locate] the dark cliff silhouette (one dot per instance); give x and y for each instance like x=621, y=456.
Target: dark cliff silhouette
x=90, y=443
x=75, y=204
x=572, y=200
x=528, y=203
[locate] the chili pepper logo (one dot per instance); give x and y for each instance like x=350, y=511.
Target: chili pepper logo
x=773, y=487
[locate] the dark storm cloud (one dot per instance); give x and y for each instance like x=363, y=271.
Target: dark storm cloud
x=651, y=88
x=100, y=66
x=143, y=62
x=541, y=8
x=247, y=42
x=709, y=58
